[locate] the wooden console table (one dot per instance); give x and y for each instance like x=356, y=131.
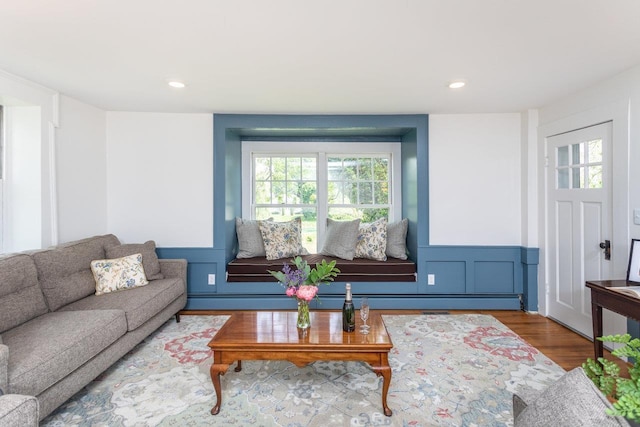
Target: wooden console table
x=603, y=296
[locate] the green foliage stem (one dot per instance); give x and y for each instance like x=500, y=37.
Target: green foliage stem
x=605, y=374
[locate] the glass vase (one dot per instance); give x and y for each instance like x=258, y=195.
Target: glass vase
x=304, y=320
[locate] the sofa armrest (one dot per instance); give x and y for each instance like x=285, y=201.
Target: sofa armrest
x=174, y=268
x=572, y=400
x=4, y=369
x=523, y=399
x=17, y=410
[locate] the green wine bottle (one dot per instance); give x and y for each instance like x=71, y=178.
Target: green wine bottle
x=348, y=312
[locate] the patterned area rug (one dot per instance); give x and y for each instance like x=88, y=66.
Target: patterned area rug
x=447, y=370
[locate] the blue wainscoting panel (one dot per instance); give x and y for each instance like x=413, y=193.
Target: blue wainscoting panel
x=450, y=277
x=201, y=263
x=466, y=277
x=494, y=277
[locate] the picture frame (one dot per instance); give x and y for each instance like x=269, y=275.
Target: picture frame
x=633, y=271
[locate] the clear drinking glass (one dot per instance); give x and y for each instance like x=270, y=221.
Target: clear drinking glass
x=364, y=315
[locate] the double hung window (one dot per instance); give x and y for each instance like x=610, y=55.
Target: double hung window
x=341, y=181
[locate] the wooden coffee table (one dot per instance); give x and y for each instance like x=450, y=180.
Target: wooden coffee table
x=269, y=335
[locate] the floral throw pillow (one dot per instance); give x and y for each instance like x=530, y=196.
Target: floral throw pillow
x=120, y=273
x=372, y=240
x=282, y=239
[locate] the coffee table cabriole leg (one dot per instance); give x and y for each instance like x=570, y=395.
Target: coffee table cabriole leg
x=215, y=371
x=384, y=371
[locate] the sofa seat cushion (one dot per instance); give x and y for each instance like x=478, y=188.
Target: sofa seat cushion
x=139, y=304
x=573, y=400
x=50, y=347
x=21, y=298
x=356, y=270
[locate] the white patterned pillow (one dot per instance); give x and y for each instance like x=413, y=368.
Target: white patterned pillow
x=119, y=273
x=282, y=239
x=372, y=240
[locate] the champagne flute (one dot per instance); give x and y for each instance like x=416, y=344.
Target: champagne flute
x=364, y=315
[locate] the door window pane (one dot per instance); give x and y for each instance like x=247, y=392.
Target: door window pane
x=577, y=176
x=563, y=156
x=595, y=177
x=563, y=178
x=595, y=151
x=577, y=154
x=579, y=166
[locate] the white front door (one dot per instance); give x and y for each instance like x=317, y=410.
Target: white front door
x=579, y=220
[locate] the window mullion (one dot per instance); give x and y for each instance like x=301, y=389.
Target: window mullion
x=322, y=194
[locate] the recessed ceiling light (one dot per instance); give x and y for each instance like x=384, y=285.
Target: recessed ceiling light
x=457, y=84
x=176, y=84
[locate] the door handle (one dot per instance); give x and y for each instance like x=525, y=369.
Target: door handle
x=606, y=245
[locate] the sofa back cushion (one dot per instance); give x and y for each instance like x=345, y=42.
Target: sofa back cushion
x=150, y=260
x=65, y=271
x=21, y=298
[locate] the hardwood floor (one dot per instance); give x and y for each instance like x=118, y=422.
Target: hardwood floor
x=557, y=342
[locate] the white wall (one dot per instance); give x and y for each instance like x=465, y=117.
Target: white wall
x=22, y=190
x=40, y=117
x=160, y=178
x=475, y=179
x=529, y=161
x=81, y=170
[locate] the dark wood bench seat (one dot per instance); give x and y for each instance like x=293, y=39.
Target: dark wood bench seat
x=357, y=270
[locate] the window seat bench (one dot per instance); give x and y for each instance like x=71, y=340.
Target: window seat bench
x=357, y=270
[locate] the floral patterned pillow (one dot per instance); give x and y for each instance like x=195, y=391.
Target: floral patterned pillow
x=372, y=240
x=119, y=273
x=282, y=239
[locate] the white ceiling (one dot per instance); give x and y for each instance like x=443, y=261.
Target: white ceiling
x=328, y=56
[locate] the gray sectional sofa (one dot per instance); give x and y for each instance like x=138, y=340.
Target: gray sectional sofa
x=56, y=335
